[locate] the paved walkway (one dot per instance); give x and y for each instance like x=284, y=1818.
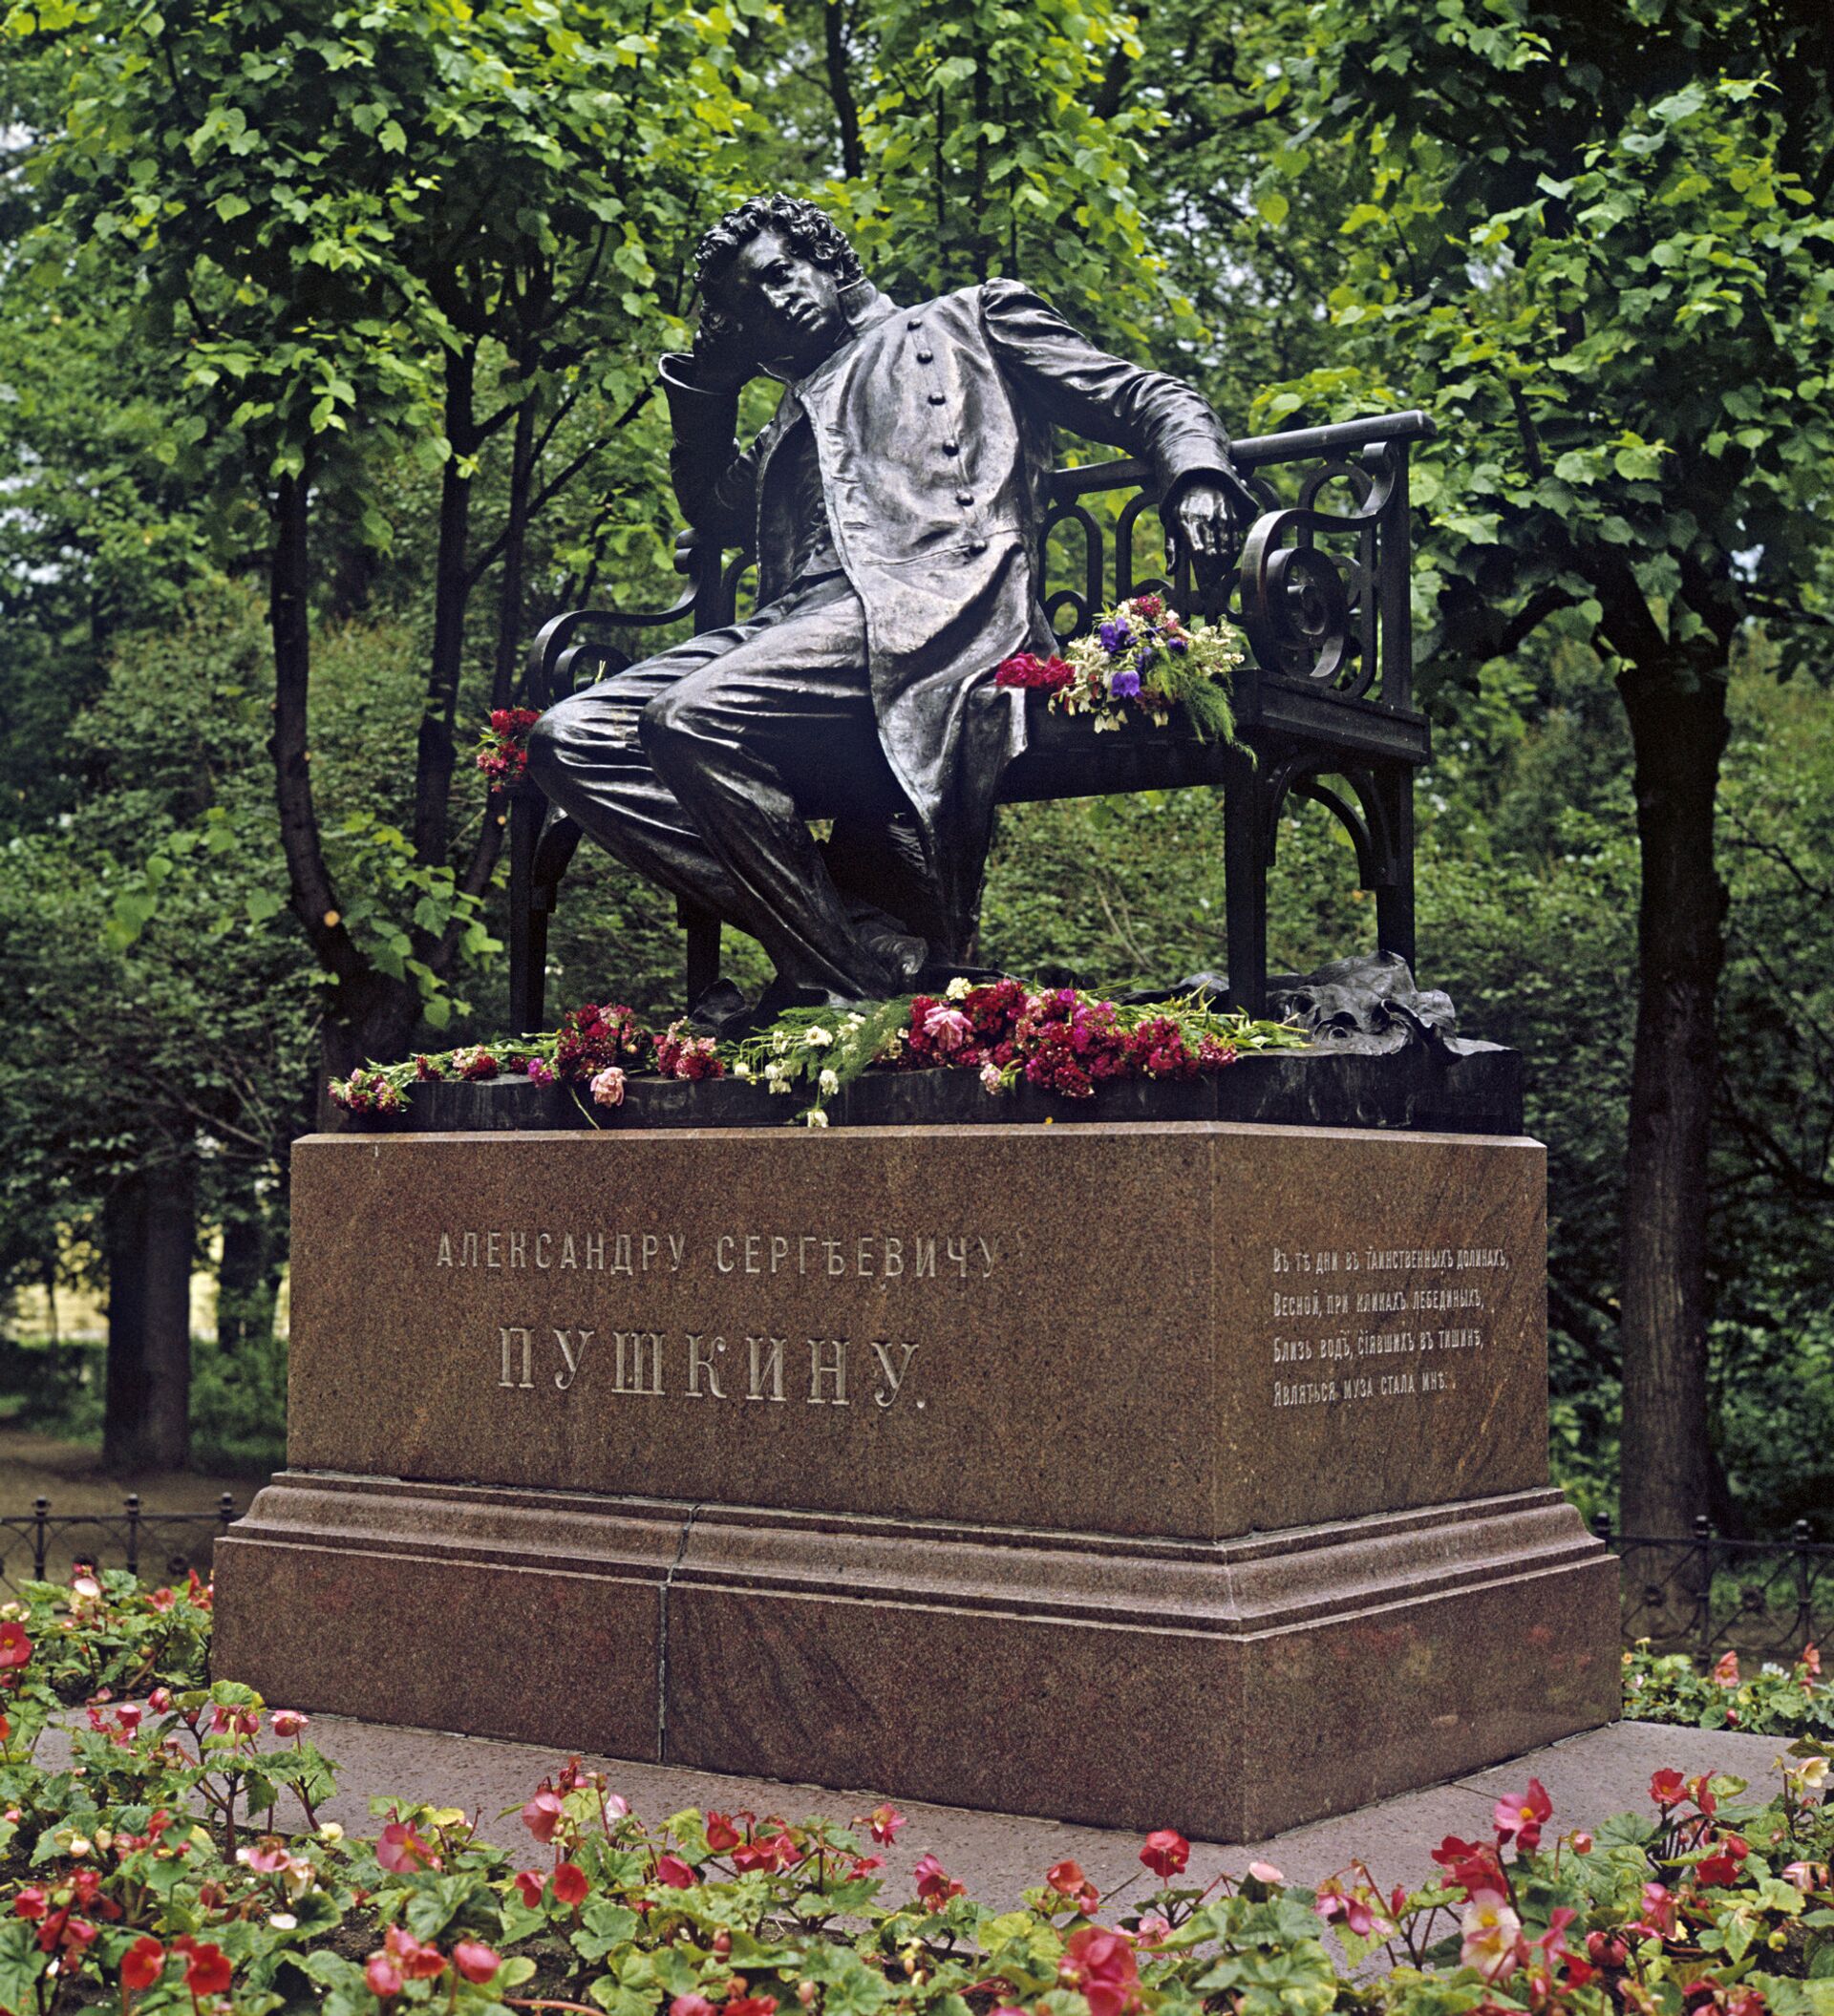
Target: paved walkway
x=999, y=1854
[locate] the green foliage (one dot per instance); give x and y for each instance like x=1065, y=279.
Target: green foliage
x=1774, y=1700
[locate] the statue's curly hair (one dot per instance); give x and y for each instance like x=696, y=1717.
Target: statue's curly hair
x=809, y=231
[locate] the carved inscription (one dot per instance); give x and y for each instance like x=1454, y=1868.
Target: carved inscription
x=1345, y=1333
x=695, y=1366
x=883, y=1256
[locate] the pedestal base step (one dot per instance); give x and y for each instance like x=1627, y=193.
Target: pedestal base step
x=1228, y=1688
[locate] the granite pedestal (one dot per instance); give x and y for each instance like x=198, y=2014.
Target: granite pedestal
x=1149, y=1473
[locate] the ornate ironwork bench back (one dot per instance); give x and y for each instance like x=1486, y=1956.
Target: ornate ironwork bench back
x=1324, y=705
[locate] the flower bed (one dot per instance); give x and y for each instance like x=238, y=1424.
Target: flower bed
x=180, y=1863
x=1774, y=1700
x=1060, y=1039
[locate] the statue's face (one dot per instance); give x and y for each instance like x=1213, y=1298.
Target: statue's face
x=787, y=305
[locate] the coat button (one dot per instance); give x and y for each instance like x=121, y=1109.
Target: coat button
x=977, y=545
x=926, y=356
x=952, y=448
x=963, y=497
x=937, y=398
x=914, y=324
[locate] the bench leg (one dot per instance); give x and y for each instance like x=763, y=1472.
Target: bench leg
x=527, y=925
x=1394, y=896
x=702, y=927
x=1245, y=882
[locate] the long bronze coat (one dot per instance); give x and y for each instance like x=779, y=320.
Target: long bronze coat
x=932, y=428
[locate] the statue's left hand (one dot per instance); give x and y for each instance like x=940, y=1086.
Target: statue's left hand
x=1203, y=514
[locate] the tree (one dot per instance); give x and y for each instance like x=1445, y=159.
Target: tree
x=408, y=231
x=1595, y=241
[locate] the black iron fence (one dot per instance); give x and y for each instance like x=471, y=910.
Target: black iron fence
x=158, y=1547
x=1707, y=1595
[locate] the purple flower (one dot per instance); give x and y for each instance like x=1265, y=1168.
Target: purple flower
x=1177, y=644
x=1115, y=636
x=1124, y=683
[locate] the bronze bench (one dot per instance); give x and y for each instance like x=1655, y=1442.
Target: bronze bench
x=1320, y=585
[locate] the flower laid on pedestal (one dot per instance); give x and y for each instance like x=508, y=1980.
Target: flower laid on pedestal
x=1057, y=1039
x=1139, y=658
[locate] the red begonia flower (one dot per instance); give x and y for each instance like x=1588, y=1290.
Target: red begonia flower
x=1166, y=1853
x=529, y=1885
x=207, y=1969
x=752, y=2005
x=1066, y=1877
x=671, y=1869
x=721, y=1835
x=883, y=1823
x=142, y=1964
x=691, y=2006
x=30, y=1902
x=15, y=1647
x=569, y=1883
x=1522, y=1818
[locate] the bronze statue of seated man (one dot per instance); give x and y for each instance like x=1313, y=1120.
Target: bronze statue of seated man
x=893, y=502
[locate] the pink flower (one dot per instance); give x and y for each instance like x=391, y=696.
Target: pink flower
x=991, y=1078
x=722, y=1833
x=1166, y=1853
x=1066, y=1878
x=569, y=1884
x=541, y=1072
x=691, y=2006
x=1152, y=1928
x=1726, y=1672
x=384, y=1976
x=1521, y=1817
x=948, y=1028
x=934, y=1883
x=607, y=1086
x=529, y=1885
x=883, y=1822
x=673, y=1871
x=1104, y=1967
x=474, y=1959
x=288, y=1723
x=543, y=1815
x=1668, y=1788
x=1265, y=1873
x=400, y=1851
x=1491, y=1936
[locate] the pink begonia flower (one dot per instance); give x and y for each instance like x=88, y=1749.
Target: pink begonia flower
x=1152, y=1928
x=1105, y=1971
x=529, y=1885
x=266, y=1857
x=15, y=1647
x=616, y=1806
x=288, y=1723
x=474, y=1959
x=883, y=1823
x=543, y=1815
x=691, y=2006
x=400, y=1850
x=569, y=1884
x=385, y=1979
x=129, y=1715
x=934, y=1883
x=1491, y=1936
x=673, y=1871
x=607, y=1087
x=1267, y=1873
x=1521, y=1817
x=1726, y=1672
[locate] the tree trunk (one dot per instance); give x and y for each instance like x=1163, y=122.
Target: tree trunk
x=124, y=1401
x=152, y=1233
x=1677, y=736
x=245, y=1275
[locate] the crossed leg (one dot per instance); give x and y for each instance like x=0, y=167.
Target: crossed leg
x=692, y=767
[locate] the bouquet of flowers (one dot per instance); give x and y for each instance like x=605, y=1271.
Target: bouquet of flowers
x=1139, y=657
x=503, y=749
